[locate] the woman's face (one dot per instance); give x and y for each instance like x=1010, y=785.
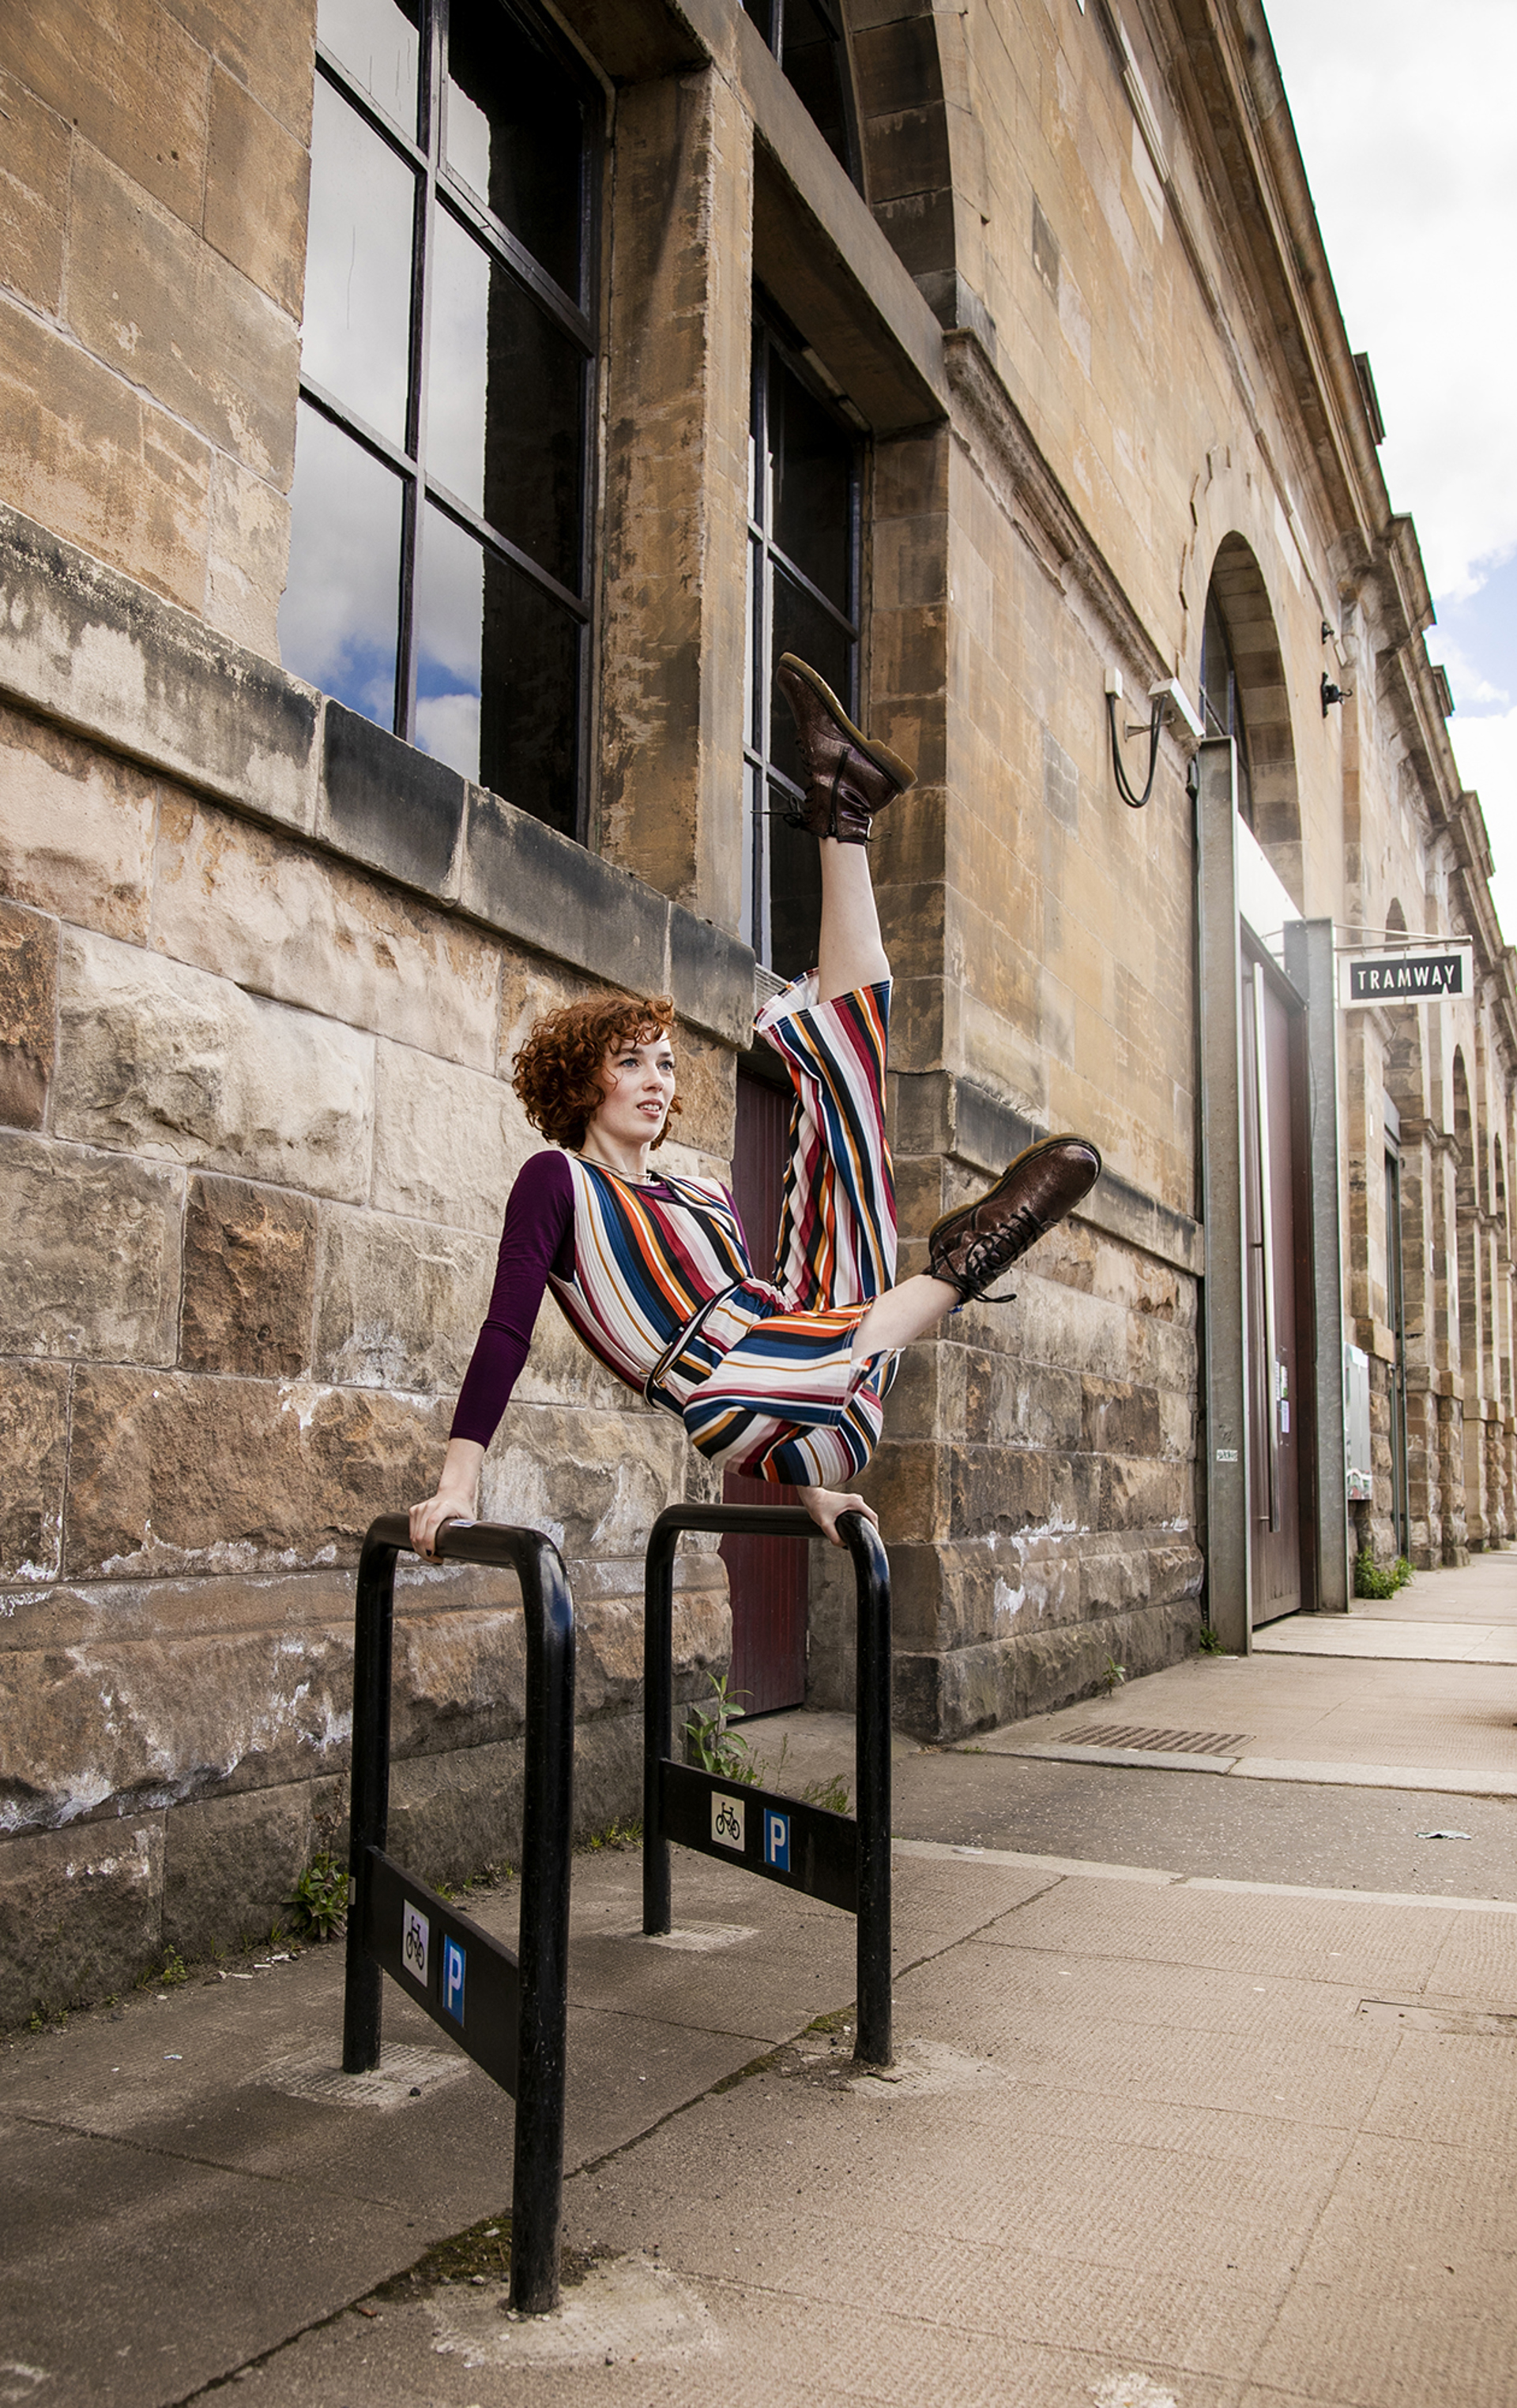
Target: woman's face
x=639, y=1079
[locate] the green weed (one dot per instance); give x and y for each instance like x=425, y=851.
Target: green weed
x=1371, y=1578
x=319, y=1901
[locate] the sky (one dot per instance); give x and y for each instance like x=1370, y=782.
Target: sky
x=1405, y=115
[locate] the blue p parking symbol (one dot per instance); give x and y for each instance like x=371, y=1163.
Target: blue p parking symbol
x=777, y=1840
x=453, y=1963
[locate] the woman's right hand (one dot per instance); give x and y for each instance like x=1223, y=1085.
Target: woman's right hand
x=456, y=1496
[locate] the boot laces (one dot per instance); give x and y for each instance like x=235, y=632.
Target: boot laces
x=997, y=1249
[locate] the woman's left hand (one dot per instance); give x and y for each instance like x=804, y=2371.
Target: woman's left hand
x=825, y=1504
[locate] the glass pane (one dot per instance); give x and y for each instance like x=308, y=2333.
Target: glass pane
x=358, y=267
x=450, y=614
x=505, y=402
x=497, y=675
x=802, y=627
x=377, y=41
x=529, y=744
x=813, y=486
x=515, y=134
x=812, y=58
x=762, y=12
x=338, y=618
x=794, y=894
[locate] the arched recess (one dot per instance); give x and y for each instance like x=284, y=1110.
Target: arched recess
x=1243, y=695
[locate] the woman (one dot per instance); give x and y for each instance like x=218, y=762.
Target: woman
x=781, y=1378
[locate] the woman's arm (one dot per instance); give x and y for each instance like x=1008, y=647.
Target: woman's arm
x=824, y=1505
x=538, y=1237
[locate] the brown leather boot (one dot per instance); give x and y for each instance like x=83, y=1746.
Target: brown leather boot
x=974, y=1245
x=848, y=777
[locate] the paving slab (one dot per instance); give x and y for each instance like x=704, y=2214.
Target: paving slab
x=1168, y=2129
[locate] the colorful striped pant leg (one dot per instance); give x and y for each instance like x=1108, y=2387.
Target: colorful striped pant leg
x=837, y=1220
x=788, y=1402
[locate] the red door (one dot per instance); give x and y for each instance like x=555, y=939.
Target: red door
x=767, y=1577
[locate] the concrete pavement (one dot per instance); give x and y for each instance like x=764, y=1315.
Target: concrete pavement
x=1164, y=2130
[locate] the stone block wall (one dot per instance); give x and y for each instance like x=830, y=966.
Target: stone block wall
x=256, y=1133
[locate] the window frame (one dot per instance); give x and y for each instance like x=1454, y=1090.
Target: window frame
x=772, y=336
x=439, y=187
x=768, y=18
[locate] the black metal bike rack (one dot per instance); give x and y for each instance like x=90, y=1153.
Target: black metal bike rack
x=509, y=2012
x=843, y=1859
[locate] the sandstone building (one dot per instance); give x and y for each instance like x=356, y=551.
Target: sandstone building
x=423, y=427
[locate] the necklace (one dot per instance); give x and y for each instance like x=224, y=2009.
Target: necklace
x=633, y=1177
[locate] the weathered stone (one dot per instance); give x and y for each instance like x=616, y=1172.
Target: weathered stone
x=81, y=1912
x=247, y=556
x=256, y=181
x=533, y=883
x=28, y=1013
x=594, y=1481
x=448, y=1142
x=76, y=828
x=1139, y=1490
x=1120, y=1418
x=34, y=196
x=184, y=1067
x=675, y=516
x=179, y=1473
x=268, y=49
x=84, y=644
x=250, y=1280
x=90, y=1247
x=124, y=1728
x=34, y=1446
x=253, y=906
x=131, y=82
x=130, y=299
x=385, y=803
x=230, y=1865
x=399, y=1302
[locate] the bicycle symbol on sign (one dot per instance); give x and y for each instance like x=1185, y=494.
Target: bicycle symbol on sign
x=415, y=1933
x=727, y=1822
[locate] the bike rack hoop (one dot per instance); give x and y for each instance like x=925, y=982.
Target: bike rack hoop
x=520, y=2035
x=843, y=1859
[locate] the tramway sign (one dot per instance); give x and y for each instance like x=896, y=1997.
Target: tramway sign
x=1426, y=976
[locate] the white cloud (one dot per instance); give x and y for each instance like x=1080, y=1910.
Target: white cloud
x=1404, y=117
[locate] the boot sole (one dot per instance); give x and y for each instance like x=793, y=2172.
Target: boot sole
x=891, y=764
x=1028, y=1153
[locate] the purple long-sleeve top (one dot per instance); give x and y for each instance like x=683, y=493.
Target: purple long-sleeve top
x=537, y=1238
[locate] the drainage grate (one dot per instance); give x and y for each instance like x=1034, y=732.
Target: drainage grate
x=1162, y=1742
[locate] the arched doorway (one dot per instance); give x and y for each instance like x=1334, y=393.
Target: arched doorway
x=1243, y=700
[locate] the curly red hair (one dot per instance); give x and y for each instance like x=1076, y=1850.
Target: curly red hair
x=559, y=1073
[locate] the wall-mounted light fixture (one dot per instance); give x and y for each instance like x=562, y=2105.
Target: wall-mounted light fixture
x=1165, y=701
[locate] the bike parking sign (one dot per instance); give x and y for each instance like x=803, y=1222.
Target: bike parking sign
x=727, y=1821
x=453, y=1977
x=777, y=1839
x=415, y=1931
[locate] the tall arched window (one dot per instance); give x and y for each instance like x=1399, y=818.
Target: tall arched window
x=439, y=544
x=1221, y=705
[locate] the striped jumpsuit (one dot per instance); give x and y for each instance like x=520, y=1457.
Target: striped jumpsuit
x=658, y=1283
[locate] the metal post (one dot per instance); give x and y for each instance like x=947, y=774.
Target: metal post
x=871, y=1738
x=1223, y=1294
x=543, y=1938
x=658, y=1712
x=368, y=1817
x=1310, y=963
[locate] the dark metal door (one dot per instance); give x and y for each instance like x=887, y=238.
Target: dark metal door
x=767, y=1577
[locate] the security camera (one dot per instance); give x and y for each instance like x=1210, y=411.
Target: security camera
x=1173, y=694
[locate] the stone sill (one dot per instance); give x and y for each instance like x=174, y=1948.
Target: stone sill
x=103, y=656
